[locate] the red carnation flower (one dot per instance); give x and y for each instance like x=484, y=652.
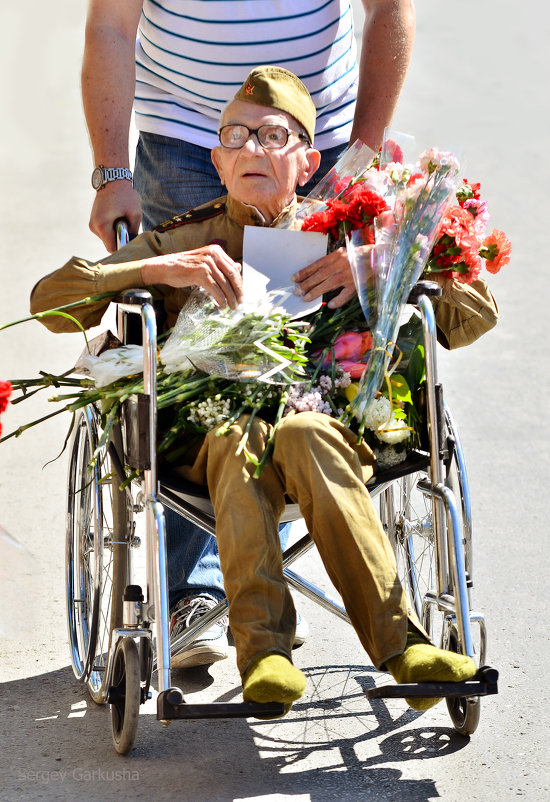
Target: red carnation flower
x=5, y=393
x=468, y=191
x=496, y=250
x=342, y=186
x=355, y=209
x=393, y=151
x=325, y=222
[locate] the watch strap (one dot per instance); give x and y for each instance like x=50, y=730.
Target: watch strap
x=116, y=174
x=103, y=175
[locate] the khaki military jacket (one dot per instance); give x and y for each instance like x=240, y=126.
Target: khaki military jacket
x=463, y=313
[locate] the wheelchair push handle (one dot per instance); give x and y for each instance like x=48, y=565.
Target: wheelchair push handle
x=131, y=297
x=424, y=287
x=122, y=230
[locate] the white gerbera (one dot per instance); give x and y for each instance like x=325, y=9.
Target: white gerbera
x=377, y=413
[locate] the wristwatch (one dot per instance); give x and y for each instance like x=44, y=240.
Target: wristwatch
x=102, y=175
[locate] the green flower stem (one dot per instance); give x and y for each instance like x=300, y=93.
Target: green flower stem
x=21, y=429
x=110, y=421
x=222, y=430
x=244, y=439
x=271, y=441
x=319, y=366
x=179, y=396
x=91, y=299
x=328, y=399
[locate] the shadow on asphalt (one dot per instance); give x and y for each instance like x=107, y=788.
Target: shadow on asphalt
x=56, y=744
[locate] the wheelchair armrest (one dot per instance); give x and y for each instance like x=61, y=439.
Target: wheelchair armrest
x=429, y=288
x=130, y=302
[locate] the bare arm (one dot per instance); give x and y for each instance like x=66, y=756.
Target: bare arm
x=108, y=86
x=388, y=36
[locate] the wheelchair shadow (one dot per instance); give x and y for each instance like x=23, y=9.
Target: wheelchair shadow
x=334, y=744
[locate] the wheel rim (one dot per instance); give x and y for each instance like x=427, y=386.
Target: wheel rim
x=88, y=556
x=105, y=535
x=407, y=517
x=83, y=555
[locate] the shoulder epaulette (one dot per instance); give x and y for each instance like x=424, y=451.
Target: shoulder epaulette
x=193, y=216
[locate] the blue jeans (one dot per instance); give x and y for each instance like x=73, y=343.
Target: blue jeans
x=172, y=176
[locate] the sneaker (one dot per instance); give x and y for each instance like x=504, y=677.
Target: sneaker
x=302, y=630
x=210, y=646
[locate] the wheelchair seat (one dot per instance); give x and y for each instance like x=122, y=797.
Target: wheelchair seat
x=174, y=488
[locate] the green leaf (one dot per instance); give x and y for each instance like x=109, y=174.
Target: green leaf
x=400, y=388
x=416, y=371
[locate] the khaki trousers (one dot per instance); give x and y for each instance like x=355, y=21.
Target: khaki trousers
x=318, y=464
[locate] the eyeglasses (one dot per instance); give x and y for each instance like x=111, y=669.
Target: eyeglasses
x=270, y=137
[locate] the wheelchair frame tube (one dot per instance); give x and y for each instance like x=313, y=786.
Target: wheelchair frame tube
x=460, y=588
x=139, y=301
x=445, y=503
x=434, y=427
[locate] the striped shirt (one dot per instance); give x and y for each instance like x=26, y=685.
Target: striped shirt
x=193, y=55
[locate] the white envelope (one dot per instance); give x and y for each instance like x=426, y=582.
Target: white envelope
x=271, y=256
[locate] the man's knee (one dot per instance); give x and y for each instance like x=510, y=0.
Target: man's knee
x=307, y=425
x=303, y=432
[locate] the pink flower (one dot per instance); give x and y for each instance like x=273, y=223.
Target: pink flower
x=480, y=212
x=355, y=369
x=351, y=345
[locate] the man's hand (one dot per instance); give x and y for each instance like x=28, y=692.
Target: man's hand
x=117, y=199
x=328, y=273
x=208, y=267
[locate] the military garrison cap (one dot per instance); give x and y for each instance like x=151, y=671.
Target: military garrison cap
x=280, y=89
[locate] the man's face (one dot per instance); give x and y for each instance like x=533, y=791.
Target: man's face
x=260, y=177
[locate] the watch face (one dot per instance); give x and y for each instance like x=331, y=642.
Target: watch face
x=97, y=178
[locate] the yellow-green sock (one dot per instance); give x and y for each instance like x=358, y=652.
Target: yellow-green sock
x=423, y=662
x=273, y=678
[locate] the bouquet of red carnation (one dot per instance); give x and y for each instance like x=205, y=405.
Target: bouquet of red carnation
x=462, y=241
x=355, y=208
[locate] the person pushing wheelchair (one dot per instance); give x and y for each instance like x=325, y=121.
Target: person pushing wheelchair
x=266, y=150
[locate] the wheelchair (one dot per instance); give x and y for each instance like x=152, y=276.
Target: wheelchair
x=424, y=506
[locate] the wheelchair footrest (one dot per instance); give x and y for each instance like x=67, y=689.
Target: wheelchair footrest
x=172, y=705
x=484, y=683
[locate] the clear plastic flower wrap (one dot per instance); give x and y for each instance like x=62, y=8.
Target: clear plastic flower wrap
x=385, y=275
x=350, y=167
x=111, y=365
x=241, y=344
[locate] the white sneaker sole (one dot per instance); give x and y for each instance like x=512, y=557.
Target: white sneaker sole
x=200, y=655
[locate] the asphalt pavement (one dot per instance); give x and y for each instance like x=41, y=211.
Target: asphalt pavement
x=477, y=84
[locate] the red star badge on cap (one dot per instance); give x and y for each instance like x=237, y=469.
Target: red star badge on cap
x=249, y=89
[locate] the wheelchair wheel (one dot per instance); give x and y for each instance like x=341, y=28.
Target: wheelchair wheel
x=464, y=712
x=95, y=561
x=125, y=695
x=407, y=514
x=407, y=517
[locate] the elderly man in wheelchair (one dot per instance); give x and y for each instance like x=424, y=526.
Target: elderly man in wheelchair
x=266, y=151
